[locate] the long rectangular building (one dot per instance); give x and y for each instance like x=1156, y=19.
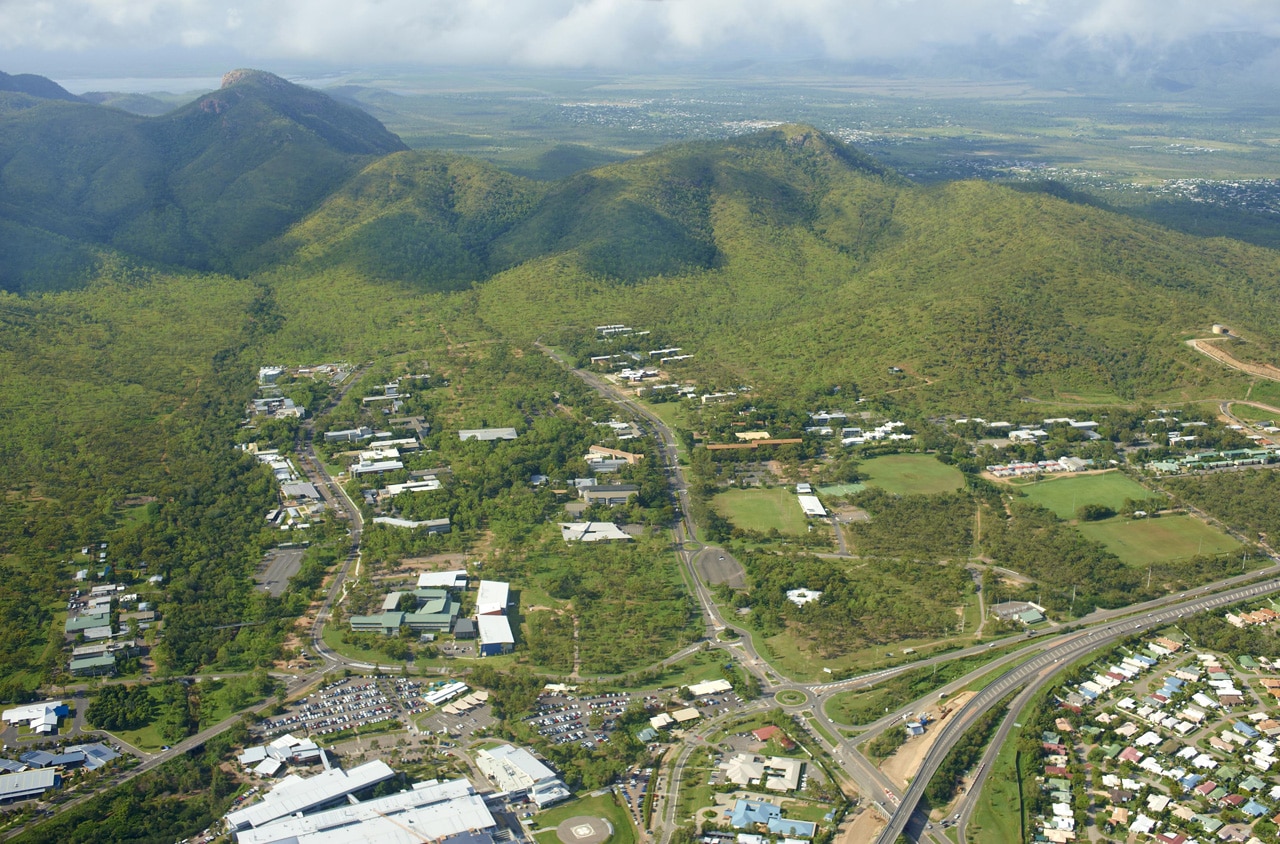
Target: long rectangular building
x=431, y=811
x=296, y=795
x=28, y=784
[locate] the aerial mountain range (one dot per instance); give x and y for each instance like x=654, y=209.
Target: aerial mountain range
x=769, y=237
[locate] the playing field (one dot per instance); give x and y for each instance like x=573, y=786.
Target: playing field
x=1156, y=540
x=1065, y=493
x=762, y=509
x=911, y=474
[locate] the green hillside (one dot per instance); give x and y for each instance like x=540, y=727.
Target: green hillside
x=197, y=188
x=823, y=272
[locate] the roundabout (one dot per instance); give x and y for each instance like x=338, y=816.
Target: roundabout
x=791, y=697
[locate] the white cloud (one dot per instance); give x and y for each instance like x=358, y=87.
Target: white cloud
x=601, y=32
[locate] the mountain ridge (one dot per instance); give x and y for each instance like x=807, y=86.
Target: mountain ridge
x=196, y=188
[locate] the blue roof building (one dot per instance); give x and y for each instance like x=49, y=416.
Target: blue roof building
x=796, y=829
x=747, y=813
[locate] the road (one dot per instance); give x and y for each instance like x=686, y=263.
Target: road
x=1038, y=672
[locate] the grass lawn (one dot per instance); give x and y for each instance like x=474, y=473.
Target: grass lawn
x=995, y=817
x=604, y=806
x=762, y=509
x=1065, y=493
x=1145, y=541
x=911, y=474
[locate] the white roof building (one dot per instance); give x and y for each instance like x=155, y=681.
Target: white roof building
x=493, y=597
x=811, y=505
x=41, y=717
x=443, y=579
x=710, y=687
x=800, y=597
x=296, y=795
x=516, y=769
x=428, y=812
x=591, y=532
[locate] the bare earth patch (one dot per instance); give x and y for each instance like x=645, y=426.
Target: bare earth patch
x=903, y=764
x=864, y=827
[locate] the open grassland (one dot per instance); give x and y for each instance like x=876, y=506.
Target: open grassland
x=762, y=509
x=794, y=655
x=911, y=474
x=1064, y=494
x=1146, y=541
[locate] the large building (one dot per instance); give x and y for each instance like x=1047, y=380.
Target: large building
x=298, y=796
x=514, y=769
x=487, y=434
x=609, y=494
x=41, y=718
x=494, y=632
x=493, y=597
x=449, y=812
x=28, y=784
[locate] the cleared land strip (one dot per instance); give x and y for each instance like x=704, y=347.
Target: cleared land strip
x=1222, y=356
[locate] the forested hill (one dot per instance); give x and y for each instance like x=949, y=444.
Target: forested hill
x=35, y=86
x=788, y=256
x=195, y=188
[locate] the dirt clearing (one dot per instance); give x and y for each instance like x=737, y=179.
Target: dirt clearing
x=903, y=764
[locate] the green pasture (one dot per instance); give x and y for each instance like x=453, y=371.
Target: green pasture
x=762, y=509
x=1144, y=541
x=1065, y=493
x=911, y=474
x=841, y=489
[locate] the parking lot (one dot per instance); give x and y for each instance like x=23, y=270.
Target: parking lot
x=565, y=719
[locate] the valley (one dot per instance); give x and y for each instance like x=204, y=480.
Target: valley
x=744, y=435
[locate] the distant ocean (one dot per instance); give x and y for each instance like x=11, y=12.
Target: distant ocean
x=171, y=84
x=143, y=85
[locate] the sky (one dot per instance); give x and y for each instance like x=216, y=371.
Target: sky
x=123, y=36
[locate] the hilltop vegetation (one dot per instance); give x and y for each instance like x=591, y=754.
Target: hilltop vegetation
x=196, y=188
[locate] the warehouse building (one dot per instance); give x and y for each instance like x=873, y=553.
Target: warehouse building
x=28, y=784
x=493, y=597
x=495, y=635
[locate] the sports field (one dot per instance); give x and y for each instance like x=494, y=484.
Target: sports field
x=762, y=509
x=1155, y=540
x=911, y=474
x=1065, y=493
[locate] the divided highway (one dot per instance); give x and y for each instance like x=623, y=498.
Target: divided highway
x=1037, y=672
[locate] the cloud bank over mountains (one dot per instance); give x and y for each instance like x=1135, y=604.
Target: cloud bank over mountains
x=604, y=33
